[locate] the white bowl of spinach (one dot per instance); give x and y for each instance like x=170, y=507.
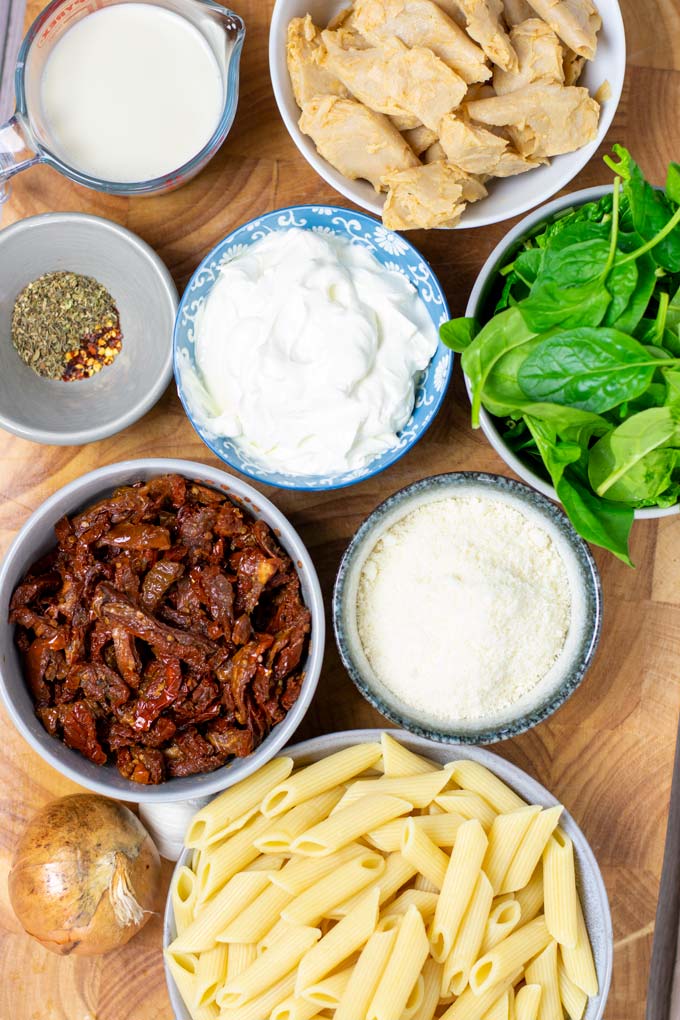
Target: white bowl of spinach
x=571, y=352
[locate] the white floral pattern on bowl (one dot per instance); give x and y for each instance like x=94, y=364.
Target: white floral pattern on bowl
x=391, y=251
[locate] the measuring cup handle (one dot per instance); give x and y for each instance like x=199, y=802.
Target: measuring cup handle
x=16, y=151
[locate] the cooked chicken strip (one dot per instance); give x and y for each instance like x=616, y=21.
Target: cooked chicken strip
x=355, y=140
x=543, y=119
x=540, y=54
x=422, y=23
x=512, y=163
x=485, y=26
x=576, y=22
x=474, y=149
x=420, y=138
x=453, y=11
x=405, y=122
x=516, y=11
x=434, y=154
x=573, y=65
x=423, y=198
x=394, y=79
x=307, y=77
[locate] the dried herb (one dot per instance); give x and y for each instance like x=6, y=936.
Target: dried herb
x=66, y=326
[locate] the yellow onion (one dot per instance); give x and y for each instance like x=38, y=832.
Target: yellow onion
x=86, y=876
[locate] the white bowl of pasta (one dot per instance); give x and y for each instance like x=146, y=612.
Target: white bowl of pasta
x=444, y=887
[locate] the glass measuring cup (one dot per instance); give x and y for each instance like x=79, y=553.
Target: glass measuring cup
x=25, y=138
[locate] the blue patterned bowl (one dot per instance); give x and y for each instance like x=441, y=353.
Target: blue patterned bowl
x=395, y=254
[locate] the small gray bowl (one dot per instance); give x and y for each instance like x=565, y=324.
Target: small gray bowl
x=589, y=880
x=69, y=414
x=582, y=639
x=37, y=537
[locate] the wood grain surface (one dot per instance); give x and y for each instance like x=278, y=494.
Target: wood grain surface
x=608, y=753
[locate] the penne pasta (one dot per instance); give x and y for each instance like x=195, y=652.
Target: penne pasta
x=398, y=871
x=468, y=805
x=530, y=898
x=423, y=884
x=573, y=998
x=500, y=1009
x=504, y=917
x=399, y=761
x=239, y=956
x=293, y=1008
x=209, y=823
x=366, y=973
x=302, y=872
x=472, y=1006
x=425, y=902
x=415, y=999
x=418, y=790
x=252, y=924
x=527, y=1002
x=281, y=957
x=211, y=972
x=348, y=935
x=441, y=829
x=509, y=955
x=419, y=850
x=459, y=882
x=323, y=775
x=351, y=878
x=267, y=862
x=468, y=942
x=401, y=973
x=432, y=980
x=264, y=1004
x=326, y=994
x=531, y=849
x=543, y=971
x=225, y=859
x=183, y=897
x=505, y=835
x=470, y=775
x=578, y=962
x=559, y=884
x=281, y=833
x=345, y=826
x=202, y=933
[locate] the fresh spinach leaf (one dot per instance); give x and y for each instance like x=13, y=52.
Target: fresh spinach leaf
x=528, y=265
x=550, y=305
x=639, y=300
x=600, y=521
x=594, y=369
x=621, y=283
x=621, y=465
x=458, y=334
x=673, y=183
x=673, y=312
x=650, y=209
x=500, y=335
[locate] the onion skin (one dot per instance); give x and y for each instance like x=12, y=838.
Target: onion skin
x=85, y=877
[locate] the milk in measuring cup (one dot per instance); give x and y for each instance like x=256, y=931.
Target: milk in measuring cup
x=130, y=93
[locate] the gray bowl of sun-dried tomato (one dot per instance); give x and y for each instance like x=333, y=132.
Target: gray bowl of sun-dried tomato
x=161, y=630
x=86, y=317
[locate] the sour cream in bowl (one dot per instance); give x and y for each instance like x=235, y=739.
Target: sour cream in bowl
x=306, y=348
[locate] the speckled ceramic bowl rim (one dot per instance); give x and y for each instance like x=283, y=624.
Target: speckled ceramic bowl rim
x=589, y=877
x=477, y=297
x=95, y=777
x=264, y=478
x=76, y=437
x=369, y=531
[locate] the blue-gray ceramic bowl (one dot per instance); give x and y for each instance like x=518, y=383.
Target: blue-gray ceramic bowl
x=393, y=252
x=37, y=537
x=589, y=881
x=584, y=629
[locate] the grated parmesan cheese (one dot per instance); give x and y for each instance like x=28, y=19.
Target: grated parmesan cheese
x=463, y=607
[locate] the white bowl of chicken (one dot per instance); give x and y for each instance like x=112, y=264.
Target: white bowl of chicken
x=446, y=113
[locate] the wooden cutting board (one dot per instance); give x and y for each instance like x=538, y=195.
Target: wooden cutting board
x=608, y=753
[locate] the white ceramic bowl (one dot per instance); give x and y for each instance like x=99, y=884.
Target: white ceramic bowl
x=37, y=537
x=474, y=308
x=508, y=197
x=588, y=876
